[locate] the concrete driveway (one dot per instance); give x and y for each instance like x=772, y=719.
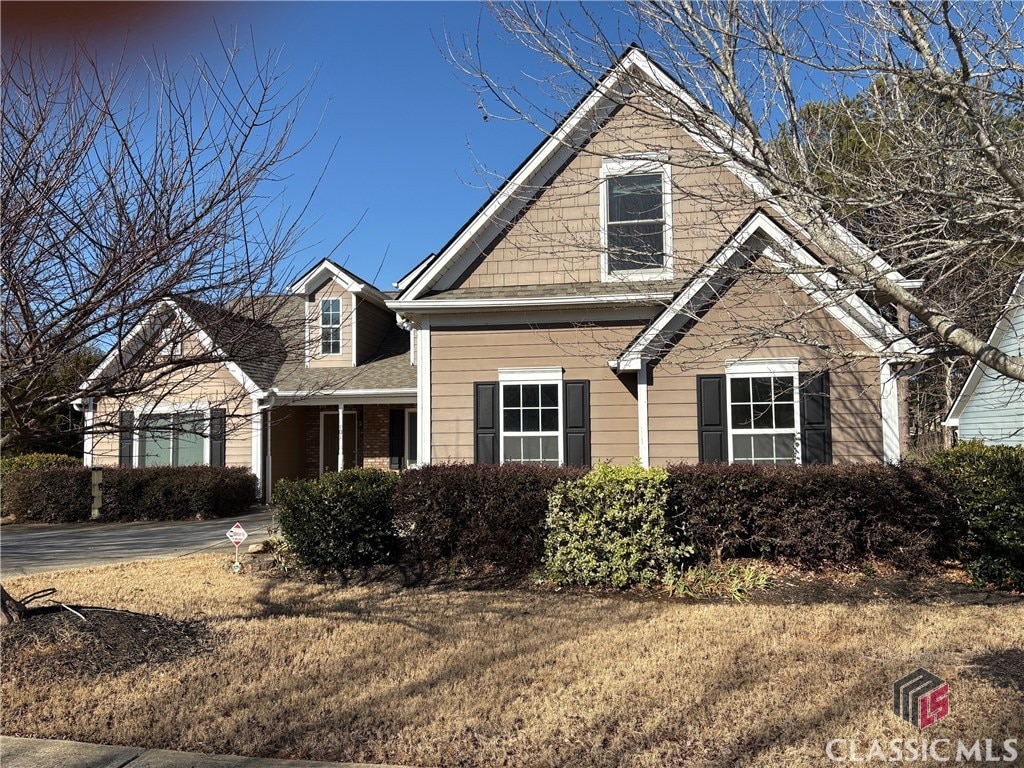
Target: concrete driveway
x=35, y=548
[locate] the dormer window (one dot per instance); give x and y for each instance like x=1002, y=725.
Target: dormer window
x=330, y=326
x=636, y=215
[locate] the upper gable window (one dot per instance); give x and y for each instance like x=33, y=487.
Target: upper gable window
x=636, y=216
x=330, y=326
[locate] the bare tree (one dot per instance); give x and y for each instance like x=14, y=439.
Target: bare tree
x=919, y=149
x=123, y=187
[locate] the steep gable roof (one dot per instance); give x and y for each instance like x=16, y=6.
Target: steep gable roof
x=760, y=234
x=327, y=270
x=615, y=85
x=1012, y=318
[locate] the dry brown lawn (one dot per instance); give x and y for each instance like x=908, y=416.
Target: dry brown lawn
x=517, y=677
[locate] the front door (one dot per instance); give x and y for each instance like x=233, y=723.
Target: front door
x=350, y=440
x=328, y=441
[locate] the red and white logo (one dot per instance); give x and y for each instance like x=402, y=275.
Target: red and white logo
x=920, y=698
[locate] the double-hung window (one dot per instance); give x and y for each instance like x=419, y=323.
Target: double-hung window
x=176, y=439
x=531, y=415
x=763, y=409
x=330, y=326
x=636, y=215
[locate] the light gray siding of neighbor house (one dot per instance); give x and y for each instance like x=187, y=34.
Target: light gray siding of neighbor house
x=994, y=412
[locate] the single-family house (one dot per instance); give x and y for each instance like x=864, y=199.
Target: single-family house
x=990, y=407
x=627, y=293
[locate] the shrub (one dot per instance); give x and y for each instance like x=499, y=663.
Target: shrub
x=608, y=529
x=37, y=461
x=339, y=520
x=476, y=517
x=64, y=494
x=987, y=521
x=55, y=495
x=813, y=515
x=734, y=581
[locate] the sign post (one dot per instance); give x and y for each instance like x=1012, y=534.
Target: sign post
x=237, y=535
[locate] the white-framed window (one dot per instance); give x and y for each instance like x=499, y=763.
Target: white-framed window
x=173, y=437
x=530, y=409
x=330, y=326
x=636, y=218
x=763, y=405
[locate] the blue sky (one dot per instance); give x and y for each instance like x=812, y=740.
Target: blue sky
x=410, y=135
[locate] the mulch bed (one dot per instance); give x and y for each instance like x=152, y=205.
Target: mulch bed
x=53, y=641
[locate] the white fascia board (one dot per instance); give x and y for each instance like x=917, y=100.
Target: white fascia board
x=727, y=139
x=852, y=311
x=441, y=305
x=403, y=392
x=328, y=270
x=250, y=386
x=561, y=139
x=632, y=358
x=999, y=331
x=113, y=354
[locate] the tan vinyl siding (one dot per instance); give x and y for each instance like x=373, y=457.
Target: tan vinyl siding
x=212, y=385
x=557, y=239
x=460, y=357
x=331, y=290
x=372, y=325
x=854, y=382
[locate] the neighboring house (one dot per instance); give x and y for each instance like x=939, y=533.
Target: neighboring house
x=600, y=306
x=328, y=384
x=990, y=407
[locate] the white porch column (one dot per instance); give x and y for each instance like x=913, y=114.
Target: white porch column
x=256, y=452
x=890, y=413
x=423, y=392
x=644, y=437
x=88, y=439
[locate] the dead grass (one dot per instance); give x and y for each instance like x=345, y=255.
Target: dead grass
x=483, y=678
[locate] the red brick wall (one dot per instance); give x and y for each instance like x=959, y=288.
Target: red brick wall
x=375, y=437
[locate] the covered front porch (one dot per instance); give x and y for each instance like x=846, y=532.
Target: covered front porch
x=304, y=439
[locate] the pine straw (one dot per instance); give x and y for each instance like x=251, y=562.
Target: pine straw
x=433, y=676
x=57, y=642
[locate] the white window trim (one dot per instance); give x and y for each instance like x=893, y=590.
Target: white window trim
x=161, y=409
x=341, y=318
x=530, y=376
x=655, y=162
x=745, y=369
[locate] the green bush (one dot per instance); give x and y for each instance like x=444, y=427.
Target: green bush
x=608, y=528
x=476, y=518
x=339, y=520
x=64, y=494
x=987, y=523
x=37, y=461
x=821, y=515
x=54, y=495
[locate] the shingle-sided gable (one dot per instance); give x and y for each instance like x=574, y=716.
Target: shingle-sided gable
x=550, y=223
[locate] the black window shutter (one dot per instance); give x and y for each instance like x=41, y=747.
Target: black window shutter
x=712, y=427
x=576, y=402
x=815, y=419
x=126, y=424
x=218, y=430
x=396, y=439
x=485, y=423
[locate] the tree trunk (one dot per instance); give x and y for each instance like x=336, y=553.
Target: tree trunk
x=11, y=610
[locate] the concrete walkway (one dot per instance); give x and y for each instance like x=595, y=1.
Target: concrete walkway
x=49, y=753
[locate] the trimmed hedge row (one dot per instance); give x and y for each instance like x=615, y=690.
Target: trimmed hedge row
x=814, y=516
x=64, y=494
x=37, y=461
x=618, y=526
x=476, y=517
